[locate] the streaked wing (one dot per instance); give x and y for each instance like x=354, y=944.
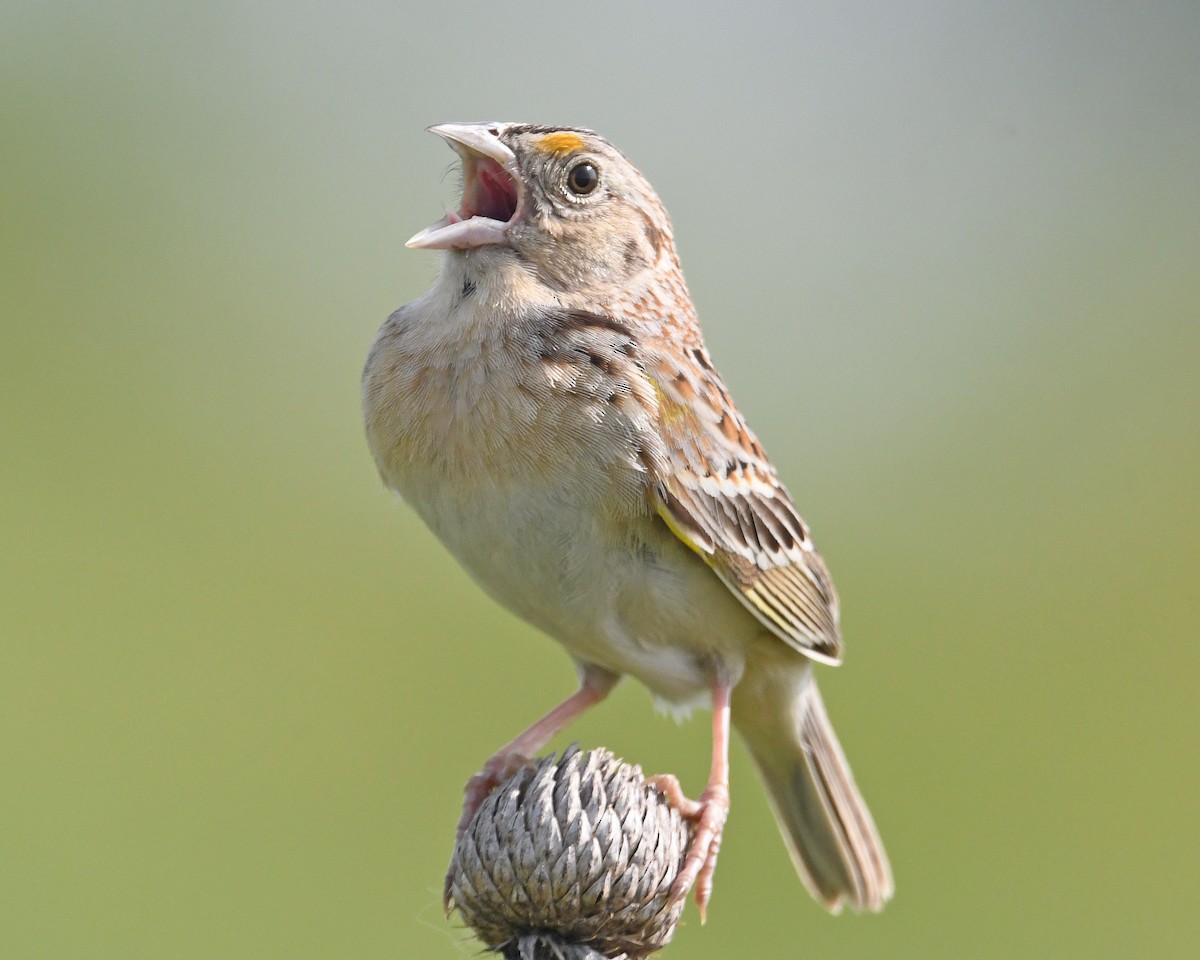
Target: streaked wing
x=721, y=496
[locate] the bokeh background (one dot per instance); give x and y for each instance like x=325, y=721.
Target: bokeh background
x=948, y=259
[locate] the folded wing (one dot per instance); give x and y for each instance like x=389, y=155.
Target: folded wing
x=720, y=495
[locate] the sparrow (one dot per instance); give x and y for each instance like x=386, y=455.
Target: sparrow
x=548, y=407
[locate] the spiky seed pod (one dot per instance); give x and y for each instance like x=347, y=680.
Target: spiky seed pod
x=573, y=857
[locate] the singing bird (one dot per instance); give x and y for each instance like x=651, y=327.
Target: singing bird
x=549, y=409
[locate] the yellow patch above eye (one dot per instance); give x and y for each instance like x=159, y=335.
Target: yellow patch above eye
x=560, y=143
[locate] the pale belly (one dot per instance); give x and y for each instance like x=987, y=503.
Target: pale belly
x=620, y=593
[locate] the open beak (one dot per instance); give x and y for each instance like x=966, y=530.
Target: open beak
x=491, y=196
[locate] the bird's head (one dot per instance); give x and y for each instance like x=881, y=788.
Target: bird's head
x=560, y=202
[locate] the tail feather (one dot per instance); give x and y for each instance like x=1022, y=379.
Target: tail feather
x=824, y=819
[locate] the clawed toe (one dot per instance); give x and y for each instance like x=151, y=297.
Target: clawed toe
x=495, y=772
x=708, y=815
x=498, y=769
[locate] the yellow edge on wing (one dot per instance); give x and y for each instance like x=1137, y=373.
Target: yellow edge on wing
x=752, y=595
x=673, y=526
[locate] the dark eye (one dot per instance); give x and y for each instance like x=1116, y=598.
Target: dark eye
x=583, y=178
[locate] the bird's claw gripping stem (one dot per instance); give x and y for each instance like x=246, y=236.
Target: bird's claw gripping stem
x=708, y=814
x=495, y=772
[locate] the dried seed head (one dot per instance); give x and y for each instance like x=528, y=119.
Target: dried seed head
x=571, y=858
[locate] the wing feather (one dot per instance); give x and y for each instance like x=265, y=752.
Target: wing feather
x=721, y=496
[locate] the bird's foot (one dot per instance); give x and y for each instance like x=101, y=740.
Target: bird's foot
x=708, y=815
x=495, y=772
x=498, y=769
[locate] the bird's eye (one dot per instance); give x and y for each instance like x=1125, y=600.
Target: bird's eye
x=583, y=178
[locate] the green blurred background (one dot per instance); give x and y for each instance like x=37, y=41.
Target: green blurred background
x=948, y=259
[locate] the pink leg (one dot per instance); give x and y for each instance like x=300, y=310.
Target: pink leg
x=595, y=685
x=709, y=812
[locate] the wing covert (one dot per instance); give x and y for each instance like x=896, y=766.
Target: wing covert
x=721, y=496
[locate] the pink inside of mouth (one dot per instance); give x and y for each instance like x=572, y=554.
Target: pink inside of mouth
x=488, y=191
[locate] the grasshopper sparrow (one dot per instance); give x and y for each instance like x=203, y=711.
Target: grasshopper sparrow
x=549, y=409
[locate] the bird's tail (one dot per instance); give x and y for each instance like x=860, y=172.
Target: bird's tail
x=829, y=831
